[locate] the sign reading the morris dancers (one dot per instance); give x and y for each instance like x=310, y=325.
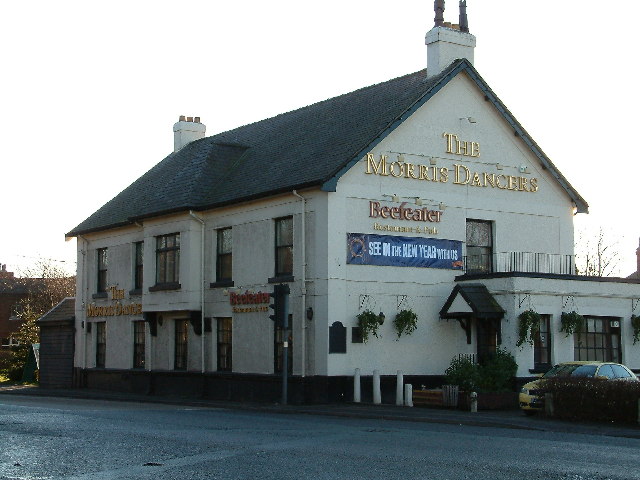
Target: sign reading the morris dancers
x=393, y=251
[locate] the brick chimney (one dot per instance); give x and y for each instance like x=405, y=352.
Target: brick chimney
x=447, y=42
x=186, y=131
x=4, y=274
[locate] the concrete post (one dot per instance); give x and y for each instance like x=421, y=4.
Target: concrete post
x=377, y=398
x=399, y=388
x=356, y=386
x=408, y=395
x=474, y=402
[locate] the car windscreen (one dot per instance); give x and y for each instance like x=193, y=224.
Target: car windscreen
x=585, y=371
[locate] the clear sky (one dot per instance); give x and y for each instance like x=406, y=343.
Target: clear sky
x=90, y=91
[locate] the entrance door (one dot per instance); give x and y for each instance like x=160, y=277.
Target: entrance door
x=487, y=339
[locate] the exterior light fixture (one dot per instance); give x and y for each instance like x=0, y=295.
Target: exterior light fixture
x=432, y=161
x=309, y=313
x=498, y=166
x=381, y=318
x=418, y=201
x=395, y=198
x=442, y=206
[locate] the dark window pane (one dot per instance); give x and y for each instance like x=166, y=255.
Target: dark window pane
x=225, y=344
x=181, y=342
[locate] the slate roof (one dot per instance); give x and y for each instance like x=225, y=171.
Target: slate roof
x=311, y=146
x=479, y=300
x=62, y=312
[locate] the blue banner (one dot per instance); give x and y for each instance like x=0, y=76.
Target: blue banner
x=389, y=250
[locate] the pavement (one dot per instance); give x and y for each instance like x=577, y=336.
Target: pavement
x=511, y=419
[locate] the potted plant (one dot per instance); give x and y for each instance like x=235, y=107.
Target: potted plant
x=635, y=323
x=406, y=322
x=571, y=322
x=369, y=323
x=528, y=327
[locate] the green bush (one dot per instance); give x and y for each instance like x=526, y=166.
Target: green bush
x=497, y=372
x=594, y=399
x=464, y=373
x=494, y=375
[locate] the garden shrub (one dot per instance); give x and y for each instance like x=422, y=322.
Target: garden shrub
x=464, y=373
x=497, y=372
x=594, y=399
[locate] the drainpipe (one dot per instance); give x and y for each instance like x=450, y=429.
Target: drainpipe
x=84, y=295
x=303, y=342
x=201, y=288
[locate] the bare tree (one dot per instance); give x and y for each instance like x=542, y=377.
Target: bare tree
x=597, y=255
x=43, y=286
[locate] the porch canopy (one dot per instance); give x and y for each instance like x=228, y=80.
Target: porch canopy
x=472, y=300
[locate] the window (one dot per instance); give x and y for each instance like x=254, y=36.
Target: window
x=101, y=343
x=279, y=348
x=599, y=340
x=137, y=265
x=138, y=344
x=479, y=246
x=224, y=344
x=284, y=246
x=224, y=258
x=542, y=344
x=168, y=258
x=102, y=270
x=181, y=338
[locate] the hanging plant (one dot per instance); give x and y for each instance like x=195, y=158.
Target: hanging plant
x=369, y=323
x=406, y=322
x=528, y=326
x=635, y=323
x=571, y=322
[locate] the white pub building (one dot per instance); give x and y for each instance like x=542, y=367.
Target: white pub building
x=420, y=194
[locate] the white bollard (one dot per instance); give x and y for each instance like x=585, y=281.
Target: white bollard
x=377, y=398
x=408, y=395
x=356, y=386
x=399, y=388
x=474, y=402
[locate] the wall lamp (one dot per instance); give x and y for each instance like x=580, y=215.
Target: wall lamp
x=469, y=119
x=442, y=206
x=381, y=318
x=309, y=313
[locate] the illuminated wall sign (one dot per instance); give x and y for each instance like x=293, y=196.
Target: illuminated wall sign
x=457, y=147
x=116, y=309
x=387, y=250
x=249, y=302
x=459, y=175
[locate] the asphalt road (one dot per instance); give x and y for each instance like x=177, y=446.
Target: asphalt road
x=51, y=438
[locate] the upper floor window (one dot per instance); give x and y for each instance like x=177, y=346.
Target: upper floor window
x=479, y=246
x=168, y=258
x=224, y=260
x=102, y=270
x=138, y=265
x=284, y=246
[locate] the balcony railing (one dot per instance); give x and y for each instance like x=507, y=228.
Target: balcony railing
x=520, y=262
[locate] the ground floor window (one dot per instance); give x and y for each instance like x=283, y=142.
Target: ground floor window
x=138, y=344
x=599, y=340
x=181, y=339
x=542, y=344
x=279, y=348
x=225, y=337
x=101, y=344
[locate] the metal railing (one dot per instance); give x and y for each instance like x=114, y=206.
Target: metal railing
x=520, y=262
